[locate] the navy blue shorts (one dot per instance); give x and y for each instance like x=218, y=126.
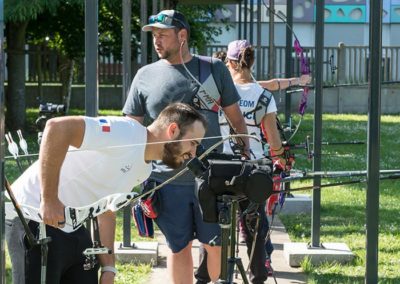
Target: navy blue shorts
x=180, y=218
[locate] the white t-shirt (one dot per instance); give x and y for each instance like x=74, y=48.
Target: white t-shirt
x=110, y=160
x=249, y=94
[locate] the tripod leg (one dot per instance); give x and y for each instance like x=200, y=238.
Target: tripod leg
x=231, y=269
x=224, y=252
x=242, y=271
x=44, y=253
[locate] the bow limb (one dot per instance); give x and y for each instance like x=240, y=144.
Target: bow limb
x=75, y=216
x=304, y=66
x=295, y=130
x=305, y=70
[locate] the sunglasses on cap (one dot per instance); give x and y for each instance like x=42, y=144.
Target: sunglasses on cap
x=166, y=20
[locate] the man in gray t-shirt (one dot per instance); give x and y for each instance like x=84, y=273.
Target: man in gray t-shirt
x=153, y=88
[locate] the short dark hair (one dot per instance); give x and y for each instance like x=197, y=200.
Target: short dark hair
x=182, y=114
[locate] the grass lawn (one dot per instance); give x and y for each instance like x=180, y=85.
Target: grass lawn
x=343, y=208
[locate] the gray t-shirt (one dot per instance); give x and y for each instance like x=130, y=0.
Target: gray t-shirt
x=159, y=84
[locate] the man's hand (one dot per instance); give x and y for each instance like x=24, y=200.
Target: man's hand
x=273, y=199
x=246, y=154
x=289, y=157
x=271, y=203
x=52, y=212
x=107, y=277
x=282, y=159
x=279, y=164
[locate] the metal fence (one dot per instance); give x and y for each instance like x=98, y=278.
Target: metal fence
x=343, y=64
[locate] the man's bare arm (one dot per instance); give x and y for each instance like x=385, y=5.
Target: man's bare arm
x=273, y=136
x=59, y=134
x=283, y=83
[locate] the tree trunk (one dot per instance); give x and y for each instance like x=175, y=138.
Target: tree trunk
x=15, y=95
x=67, y=76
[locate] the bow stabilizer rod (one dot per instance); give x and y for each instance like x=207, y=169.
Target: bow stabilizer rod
x=332, y=174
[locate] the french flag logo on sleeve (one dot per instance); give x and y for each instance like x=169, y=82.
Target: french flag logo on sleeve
x=105, y=125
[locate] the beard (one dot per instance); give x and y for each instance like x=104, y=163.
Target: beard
x=172, y=155
x=168, y=54
x=165, y=55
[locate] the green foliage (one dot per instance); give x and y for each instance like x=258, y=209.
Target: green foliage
x=132, y=273
x=59, y=24
x=52, y=29
x=64, y=28
x=199, y=18
x=25, y=10
x=306, y=265
x=110, y=28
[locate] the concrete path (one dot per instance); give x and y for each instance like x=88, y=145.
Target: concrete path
x=284, y=274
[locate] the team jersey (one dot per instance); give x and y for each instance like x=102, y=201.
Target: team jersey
x=250, y=94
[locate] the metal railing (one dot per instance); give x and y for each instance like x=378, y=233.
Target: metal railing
x=342, y=64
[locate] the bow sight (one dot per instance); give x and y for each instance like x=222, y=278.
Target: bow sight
x=47, y=111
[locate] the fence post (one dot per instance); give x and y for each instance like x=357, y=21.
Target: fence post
x=39, y=71
x=341, y=71
x=2, y=119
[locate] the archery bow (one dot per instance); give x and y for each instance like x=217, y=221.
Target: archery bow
x=75, y=216
x=304, y=69
x=307, y=145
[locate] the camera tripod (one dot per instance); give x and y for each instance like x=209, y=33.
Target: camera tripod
x=227, y=220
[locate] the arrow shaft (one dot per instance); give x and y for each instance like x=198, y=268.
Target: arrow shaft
x=396, y=176
x=326, y=143
x=343, y=143
x=347, y=173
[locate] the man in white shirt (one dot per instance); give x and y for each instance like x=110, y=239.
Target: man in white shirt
x=84, y=159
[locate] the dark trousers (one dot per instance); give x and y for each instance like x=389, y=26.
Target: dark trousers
x=258, y=272
x=65, y=259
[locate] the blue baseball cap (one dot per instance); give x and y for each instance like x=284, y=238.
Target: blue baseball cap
x=167, y=19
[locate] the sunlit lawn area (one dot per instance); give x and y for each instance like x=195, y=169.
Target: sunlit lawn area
x=343, y=208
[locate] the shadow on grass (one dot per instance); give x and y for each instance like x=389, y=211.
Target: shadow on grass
x=334, y=278
x=339, y=220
